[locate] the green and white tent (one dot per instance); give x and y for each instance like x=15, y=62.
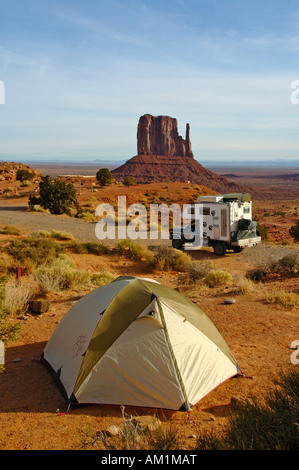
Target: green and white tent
x=136, y=342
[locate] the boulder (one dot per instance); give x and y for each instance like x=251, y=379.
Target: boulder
x=39, y=306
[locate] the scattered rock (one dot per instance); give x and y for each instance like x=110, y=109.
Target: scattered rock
x=150, y=422
x=39, y=306
x=112, y=430
x=229, y=301
x=17, y=359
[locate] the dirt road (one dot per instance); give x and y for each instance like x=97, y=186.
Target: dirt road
x=19, y=216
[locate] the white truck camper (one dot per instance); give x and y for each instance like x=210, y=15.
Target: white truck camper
x=221, y=221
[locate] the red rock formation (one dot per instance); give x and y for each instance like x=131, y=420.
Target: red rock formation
x=163, y=155
x=158, y=168
x=158, y=135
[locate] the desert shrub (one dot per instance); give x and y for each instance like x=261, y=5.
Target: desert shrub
x=30, y=252
x=196, y=271
x=8, y=190
x=256, y=426
x=217, y=277
x=8, y=330
x=133, y=250
x=129, y=181
x=100, y=279
x=285, y=265
x=25, y=184
x=55, y=234
x=93, y=248
x=243, y=286
x=87, y=216
x=294, y=231
x=23, y=174
x=10, y=230
x=104, y=176
x=284, y=299
x=55, y=195
x=262, y=231
x=166, y=258
x=17, y=297
x=38, y=208
x=60, y=276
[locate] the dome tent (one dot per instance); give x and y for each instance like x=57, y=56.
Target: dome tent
x=135, y=342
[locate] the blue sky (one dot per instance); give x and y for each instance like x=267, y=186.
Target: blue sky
x=79, y=74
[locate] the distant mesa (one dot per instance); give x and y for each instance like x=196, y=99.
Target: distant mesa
x=163, y=155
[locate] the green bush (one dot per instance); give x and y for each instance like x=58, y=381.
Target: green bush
x=22, y=175
x=30, y=252
x=55, y=195
x=129, y=181
x=294, y=231
x=104, y=176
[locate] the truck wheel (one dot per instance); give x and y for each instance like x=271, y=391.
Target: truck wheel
x=177, y=244
x=238, y=249
x=219, y=249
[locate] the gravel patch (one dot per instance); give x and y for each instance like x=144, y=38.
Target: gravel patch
x=19, y=216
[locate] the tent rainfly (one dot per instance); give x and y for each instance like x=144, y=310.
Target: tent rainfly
x=135, y=342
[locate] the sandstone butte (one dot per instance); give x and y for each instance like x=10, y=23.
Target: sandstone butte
x=164, y=156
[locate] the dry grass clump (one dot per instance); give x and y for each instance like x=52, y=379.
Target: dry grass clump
x=288, y=300
x=133, y=250
x=93, y=248
x=100, y=279
x=217, y=277
x=17, y=297
x=167, y=258
x=55, y=234
x=38, y=208
x=196, y=271
x=10, y=230
x=30, y=252
x=61, y=276
x=243, y=286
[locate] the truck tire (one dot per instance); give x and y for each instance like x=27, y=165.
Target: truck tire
x=238, y=249
x=177, y=243
x=219, y=249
